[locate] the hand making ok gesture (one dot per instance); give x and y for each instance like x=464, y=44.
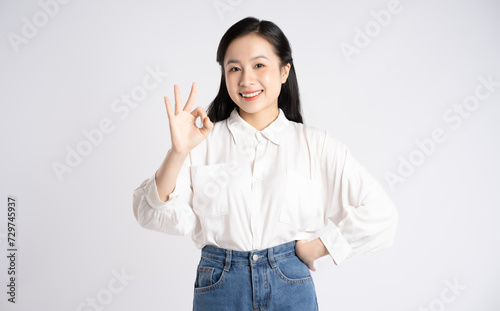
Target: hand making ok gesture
x=184, y=133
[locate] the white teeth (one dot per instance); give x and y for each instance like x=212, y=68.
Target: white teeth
x=251, y=94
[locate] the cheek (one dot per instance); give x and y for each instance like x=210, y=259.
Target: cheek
x=231, y=89
x=273, y=83
x=229, y=85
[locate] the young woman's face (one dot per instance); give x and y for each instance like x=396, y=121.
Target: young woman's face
x=253, y=74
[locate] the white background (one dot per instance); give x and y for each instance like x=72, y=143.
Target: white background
x=76, y=233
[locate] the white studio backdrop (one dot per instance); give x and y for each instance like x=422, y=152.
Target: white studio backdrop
x=412, y=87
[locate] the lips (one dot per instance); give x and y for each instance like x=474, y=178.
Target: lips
x=251, y=94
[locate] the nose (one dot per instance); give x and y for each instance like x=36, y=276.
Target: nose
x=247, y=78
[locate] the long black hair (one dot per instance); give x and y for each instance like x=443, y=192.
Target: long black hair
x=288, y=100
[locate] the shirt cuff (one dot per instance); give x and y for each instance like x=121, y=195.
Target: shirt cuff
x=152, y=196
x=336, y=244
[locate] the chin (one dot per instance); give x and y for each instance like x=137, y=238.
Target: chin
x=252, y=108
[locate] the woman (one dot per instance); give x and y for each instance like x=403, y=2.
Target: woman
x=263, y=195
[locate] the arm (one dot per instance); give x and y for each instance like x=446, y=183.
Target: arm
x=166, y=175
x=163, y=202
x=173, y=215
x=364, y=216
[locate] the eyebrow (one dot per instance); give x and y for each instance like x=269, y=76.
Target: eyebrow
x=236, y=61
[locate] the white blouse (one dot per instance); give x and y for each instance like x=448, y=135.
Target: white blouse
x=245, y=189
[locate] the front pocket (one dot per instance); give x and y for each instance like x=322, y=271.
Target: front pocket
x=210, y=193
x=292, y=270
x=209, y=275
x=204, y=277
x=301, y=208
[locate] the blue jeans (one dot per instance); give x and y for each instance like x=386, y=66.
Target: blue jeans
x=269, y=279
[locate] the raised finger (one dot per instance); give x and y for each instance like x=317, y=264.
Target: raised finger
x=169, y=107
x=191, y=98
x=178, y=101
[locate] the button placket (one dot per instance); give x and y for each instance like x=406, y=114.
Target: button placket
x=259, y=152
x=255, y=211
x=255, y=193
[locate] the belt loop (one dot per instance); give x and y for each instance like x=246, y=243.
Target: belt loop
x=228, y=260
x=270, y=257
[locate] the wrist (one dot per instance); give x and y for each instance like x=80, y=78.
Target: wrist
x=181, y=156
x=320, y=249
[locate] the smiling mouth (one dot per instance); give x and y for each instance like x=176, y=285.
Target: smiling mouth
x=250, y=95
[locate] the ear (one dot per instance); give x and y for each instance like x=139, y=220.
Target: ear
x=285, y=70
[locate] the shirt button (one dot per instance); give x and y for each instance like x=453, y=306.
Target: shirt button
x=255, y=257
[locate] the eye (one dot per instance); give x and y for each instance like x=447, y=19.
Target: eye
x=260, y=65
x=234, y=69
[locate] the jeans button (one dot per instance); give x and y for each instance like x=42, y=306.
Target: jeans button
x=255, y=257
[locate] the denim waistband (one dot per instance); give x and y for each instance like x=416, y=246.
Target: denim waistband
x=229, y=257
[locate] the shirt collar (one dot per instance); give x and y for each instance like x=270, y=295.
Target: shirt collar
x=241, y=129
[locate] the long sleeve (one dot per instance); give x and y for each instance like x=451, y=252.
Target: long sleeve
x=364, y=216
x=175, y=216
